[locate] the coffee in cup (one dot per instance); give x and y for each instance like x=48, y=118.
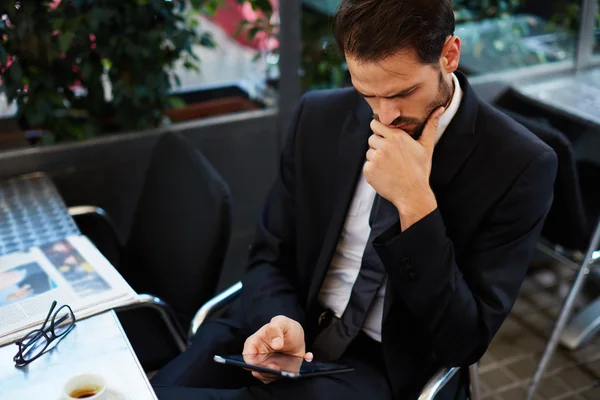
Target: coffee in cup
x=85, y=392
x=86, y=386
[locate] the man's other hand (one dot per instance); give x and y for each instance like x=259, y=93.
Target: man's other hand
x=281, y=335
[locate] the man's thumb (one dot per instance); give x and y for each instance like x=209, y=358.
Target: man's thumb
x=431, y=127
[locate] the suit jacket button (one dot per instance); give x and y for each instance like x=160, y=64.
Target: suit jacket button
x=412, y=274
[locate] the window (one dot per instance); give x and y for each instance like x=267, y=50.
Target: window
x=497, y=36
x=508, y=34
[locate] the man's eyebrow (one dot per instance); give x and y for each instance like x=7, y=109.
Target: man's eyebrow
x=402, y=93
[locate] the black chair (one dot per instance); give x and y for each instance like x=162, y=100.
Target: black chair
x=568, y=239
x=566, y=225
x=175, y=250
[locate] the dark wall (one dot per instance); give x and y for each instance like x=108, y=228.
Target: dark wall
x=109, y=172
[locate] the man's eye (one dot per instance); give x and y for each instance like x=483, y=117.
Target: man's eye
x=405, y=95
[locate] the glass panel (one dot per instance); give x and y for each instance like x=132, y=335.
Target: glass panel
x=322, y=64
x=499, y=35
x=242, y=57
x=597, y=32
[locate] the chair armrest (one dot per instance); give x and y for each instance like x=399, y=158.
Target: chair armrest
x=86, y=210
x=437, y=382
x=216, y=303
x=167, y=314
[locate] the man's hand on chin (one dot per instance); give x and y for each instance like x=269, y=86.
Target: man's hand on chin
x=281, y=335
x=398, y=167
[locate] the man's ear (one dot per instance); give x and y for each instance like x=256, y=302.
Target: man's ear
x=450, y=54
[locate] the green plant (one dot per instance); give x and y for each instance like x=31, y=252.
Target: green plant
x=476, y=10
x=323, y=65
x=58, y=59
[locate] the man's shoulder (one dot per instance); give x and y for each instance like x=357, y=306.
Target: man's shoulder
x=506, y=136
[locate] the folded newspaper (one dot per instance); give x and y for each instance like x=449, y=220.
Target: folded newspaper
x=71, y=271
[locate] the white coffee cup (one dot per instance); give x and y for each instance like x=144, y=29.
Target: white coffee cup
x=79, y=385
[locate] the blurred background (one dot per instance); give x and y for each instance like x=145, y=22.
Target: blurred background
x=88, y=87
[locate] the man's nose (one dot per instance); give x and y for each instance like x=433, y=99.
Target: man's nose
x=388, y=113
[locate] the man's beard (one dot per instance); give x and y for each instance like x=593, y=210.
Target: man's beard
x=442, y=99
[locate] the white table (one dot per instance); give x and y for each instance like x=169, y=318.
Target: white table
x=97, y=344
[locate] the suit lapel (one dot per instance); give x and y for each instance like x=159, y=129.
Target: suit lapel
x=458, y=141
x=351, y=151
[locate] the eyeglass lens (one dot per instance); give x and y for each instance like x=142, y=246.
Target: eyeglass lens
x=33, y=345
x=63, y=321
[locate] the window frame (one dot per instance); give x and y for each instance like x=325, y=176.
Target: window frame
x=585, y=57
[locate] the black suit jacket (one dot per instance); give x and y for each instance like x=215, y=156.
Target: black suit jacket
x=453, y=276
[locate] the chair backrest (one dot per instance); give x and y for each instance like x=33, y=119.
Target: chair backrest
x=181, y=228
x=566, y=223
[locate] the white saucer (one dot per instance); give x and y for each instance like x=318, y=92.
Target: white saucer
x=113, y=394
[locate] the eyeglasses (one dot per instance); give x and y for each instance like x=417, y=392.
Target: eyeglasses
x=33, y=345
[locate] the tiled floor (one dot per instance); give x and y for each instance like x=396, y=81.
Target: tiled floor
x=509, y=363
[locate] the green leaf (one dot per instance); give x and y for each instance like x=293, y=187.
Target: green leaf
x=196, y=4
x=323, y=67
x=176, y=102
x=16, y=73
x=65, y=40
x=57, y=23
x=242, y=26
x=87, y=70
x=253, y=32
x=3, y=56
x=107, y=64
x=207, y=40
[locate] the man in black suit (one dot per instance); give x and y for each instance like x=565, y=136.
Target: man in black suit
x=399, y=229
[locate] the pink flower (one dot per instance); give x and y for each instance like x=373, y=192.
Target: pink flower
x=54, y=4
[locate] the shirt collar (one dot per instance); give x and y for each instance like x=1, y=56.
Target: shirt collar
x=451, y=111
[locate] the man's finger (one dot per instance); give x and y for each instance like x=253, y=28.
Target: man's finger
x=274, y=335
x=379, y=129
x=376, y=141
x=431, y=127
x=251, y=346
x=309, y=357
x=370, y=154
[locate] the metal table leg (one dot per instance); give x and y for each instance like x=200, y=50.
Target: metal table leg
x=564, y=313
x=582, y=327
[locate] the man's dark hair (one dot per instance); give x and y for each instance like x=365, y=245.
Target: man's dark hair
x=371, y=30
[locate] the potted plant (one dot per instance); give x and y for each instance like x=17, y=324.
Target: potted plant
x=79, y=68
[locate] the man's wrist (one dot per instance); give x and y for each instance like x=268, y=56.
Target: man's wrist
x=412, y=209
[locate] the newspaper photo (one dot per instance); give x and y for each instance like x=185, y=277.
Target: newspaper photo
x=23, y=282
x=70, y=271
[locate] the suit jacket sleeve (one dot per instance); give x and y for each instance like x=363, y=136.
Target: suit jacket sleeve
x=463, y=306
x=267, y=286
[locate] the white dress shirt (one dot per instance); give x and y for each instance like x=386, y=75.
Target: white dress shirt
x=345, y=264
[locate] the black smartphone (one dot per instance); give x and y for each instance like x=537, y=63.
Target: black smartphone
x=283, y=365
